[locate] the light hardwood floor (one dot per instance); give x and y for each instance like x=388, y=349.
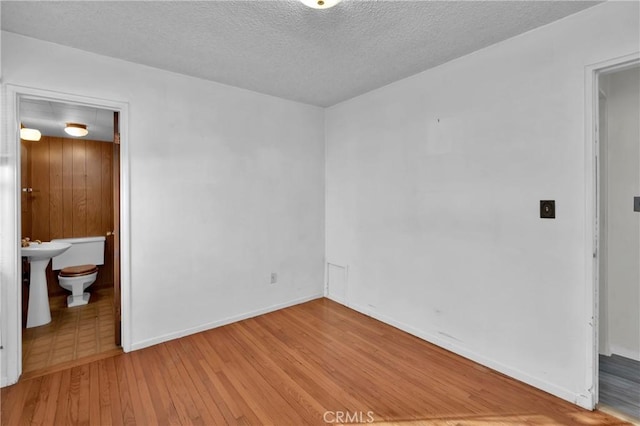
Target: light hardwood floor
x=301, y=365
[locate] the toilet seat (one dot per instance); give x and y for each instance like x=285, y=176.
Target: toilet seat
x=78, y=271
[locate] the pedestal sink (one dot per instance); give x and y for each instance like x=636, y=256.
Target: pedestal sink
x=39, y=256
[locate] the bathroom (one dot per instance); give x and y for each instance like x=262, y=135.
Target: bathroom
x=67, y=183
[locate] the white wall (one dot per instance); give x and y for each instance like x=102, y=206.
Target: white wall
x=434, y=184
x=623, y=230
x=227, y=185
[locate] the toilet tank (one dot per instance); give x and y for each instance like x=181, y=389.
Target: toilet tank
x=83, y=251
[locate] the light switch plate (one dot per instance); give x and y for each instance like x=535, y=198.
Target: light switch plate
x=548, y=209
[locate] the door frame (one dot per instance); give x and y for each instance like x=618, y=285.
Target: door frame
x=10, y=220
x=603, y=223
x=592, y=204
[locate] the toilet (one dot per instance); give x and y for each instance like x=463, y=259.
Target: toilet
x=78, y=267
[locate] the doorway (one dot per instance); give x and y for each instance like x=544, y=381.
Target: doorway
x=618, y=239
x=10, y=220
x=69, y=192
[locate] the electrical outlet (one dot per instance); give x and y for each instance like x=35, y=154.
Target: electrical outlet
x=274, y=278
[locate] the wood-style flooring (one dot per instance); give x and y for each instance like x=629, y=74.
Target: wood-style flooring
x=73, y=333
x=315, y=363
x=620, y=384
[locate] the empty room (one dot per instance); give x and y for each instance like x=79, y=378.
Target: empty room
x=320, y=212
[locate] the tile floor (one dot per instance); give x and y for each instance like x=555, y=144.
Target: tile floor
x=72, y=334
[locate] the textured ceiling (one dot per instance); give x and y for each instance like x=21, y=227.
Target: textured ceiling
x=284, y=48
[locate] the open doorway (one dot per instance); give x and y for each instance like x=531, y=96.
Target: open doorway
x=69, y=186
x=618, y=219
x=10, y=204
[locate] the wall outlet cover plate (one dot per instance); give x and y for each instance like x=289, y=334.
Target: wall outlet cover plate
x=548, y=209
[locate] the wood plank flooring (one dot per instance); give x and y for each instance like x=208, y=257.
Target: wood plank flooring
x=73, y=333
x=314, y=363
x=620, y=384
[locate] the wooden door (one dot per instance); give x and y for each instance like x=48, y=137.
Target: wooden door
x=116, y=228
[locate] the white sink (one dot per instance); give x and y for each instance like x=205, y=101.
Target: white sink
x=43, y=251
x=39, y=256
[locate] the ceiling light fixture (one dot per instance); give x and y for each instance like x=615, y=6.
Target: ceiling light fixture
x=320, y=4
x=76, y=129
x=29, y=134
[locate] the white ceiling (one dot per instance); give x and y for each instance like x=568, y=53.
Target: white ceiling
x=284, y=48
x=50, y=118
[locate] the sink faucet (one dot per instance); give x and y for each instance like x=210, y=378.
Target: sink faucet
x=26, y=241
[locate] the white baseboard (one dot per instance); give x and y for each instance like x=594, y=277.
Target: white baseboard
x=624, y=352
x=208, y=326
x=584, y=401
